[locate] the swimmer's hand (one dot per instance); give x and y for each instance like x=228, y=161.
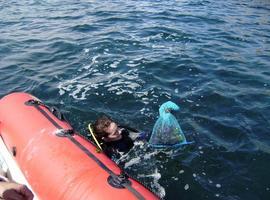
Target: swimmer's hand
x=144, y=136
x=11, y=190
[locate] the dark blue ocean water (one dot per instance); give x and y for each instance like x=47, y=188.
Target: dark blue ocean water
x=125, y=58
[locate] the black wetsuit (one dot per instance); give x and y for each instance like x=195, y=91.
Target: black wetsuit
x=114, y=149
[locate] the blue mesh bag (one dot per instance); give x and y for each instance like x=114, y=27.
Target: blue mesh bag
x=167, y=131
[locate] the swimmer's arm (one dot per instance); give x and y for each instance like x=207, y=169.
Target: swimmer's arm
x=11, y=190
x=135, y=134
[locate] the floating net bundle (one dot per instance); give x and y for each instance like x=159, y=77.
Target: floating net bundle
x=167, y=131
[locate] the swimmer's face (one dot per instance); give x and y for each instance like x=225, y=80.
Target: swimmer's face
x=114, y=133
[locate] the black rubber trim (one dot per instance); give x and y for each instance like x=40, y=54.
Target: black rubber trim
x=47, y=116
x=133, y=191
x=126, y=184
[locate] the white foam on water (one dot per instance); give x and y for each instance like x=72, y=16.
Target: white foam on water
x=155, y=184
x=186, y=187
x=78, y=90
x=90, y=77
x=168, y=95
x=150, y=96
x=139, y=59
x=133, y=65
x=61, y=91
x=114, y=64
x=133, y=161
x=156, y=175
x=145, y=111
x=137, y=162
x=122, y=86
x=126, y=83
x=158, y=46
x=149, y=155
x=98, y=74
x=141, y=94
x=190, y=101
x=146, y=100
x=93, y=61
x=142, y=110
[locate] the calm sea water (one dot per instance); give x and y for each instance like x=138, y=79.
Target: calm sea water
x=125, y=58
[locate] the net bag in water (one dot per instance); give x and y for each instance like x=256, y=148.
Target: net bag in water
x=167, y=131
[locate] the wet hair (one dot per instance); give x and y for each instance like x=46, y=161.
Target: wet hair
x=100, y=125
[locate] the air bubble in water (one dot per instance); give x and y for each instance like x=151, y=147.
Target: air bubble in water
x=186, y=187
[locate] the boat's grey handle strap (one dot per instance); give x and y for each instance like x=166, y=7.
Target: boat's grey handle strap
x=55, y=111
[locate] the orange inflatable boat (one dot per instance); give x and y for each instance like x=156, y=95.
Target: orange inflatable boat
x=57, y=162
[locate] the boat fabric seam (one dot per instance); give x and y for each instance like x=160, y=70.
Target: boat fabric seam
x=88, y=153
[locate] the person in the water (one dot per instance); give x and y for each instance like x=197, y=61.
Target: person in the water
x=115, y=139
